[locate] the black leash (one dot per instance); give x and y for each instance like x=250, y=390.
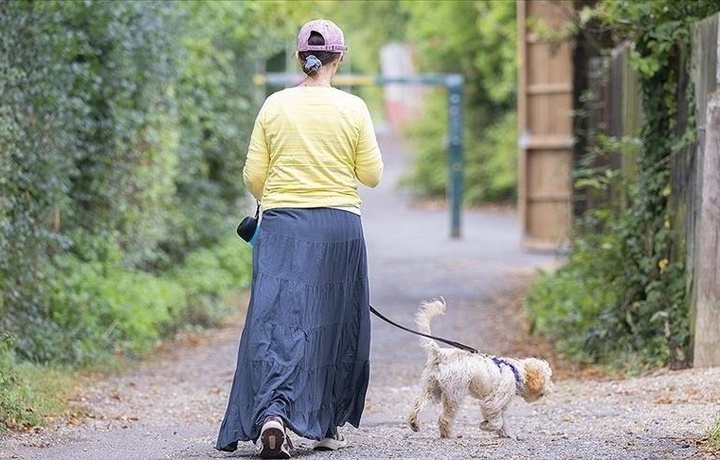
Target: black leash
x=439, y=339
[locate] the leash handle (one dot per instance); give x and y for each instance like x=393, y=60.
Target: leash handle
x=439, y=339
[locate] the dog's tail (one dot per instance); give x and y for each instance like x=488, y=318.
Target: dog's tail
x=427, y=311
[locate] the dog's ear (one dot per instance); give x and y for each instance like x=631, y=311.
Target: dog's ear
x=534, y=379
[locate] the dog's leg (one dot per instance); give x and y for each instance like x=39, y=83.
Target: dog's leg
x=413, y=417
x=449, y=410
x=492, y=418
x=431, y=391
x=495, y=420
x=505, y=429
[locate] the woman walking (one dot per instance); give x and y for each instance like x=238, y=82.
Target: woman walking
x=303, y=359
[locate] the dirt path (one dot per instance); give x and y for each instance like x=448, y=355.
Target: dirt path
x=171, y=406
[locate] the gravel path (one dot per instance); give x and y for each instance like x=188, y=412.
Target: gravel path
x=170, y=407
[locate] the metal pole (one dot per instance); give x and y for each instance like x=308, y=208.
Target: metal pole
x=454, y=84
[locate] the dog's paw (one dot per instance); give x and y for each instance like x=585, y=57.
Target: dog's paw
x=485, y=426
x=414, y=423
x=503, y=433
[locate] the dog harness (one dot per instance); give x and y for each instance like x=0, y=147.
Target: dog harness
x=499, y=362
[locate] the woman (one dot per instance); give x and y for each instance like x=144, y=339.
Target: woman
x=303, y=355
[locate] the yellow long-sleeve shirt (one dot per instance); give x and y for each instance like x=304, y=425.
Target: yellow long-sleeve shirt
x=309, y=148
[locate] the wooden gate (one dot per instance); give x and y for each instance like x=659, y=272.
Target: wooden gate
x=545, y=104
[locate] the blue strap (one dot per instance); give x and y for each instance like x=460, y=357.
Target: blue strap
x=499, y=361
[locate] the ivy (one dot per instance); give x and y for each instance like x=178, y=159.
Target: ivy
x=645, y=319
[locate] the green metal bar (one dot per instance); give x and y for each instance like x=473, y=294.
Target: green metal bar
x=453, y=82
x=279, y=78
x=455, y=157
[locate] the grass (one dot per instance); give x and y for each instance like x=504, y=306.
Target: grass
x=714, y=439
x=31, y=394
x=709, y=445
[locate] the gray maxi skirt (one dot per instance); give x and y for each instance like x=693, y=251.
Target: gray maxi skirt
x=304, y=350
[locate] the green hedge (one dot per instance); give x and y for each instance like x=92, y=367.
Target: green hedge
x=123, y=132
x=100, y=309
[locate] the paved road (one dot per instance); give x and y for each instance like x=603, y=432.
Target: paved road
x=170, y=408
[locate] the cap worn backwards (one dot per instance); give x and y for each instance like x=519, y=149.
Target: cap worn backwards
x=330, y=32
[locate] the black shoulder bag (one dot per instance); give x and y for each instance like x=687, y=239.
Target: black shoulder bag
x=246, y=228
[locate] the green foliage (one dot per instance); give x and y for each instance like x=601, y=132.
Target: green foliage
x=98, y=309
x=571, y=304
x=124, y=168
x=123, y=130
x=28, y=393
x=474, y=38
x=84, y=137
x=626, y=286
x=579, y=305
x=488, y=176
x=428, y=173
x=35, y=162
x=205, y=276
x=216, y=104
x=714, y=438
x=491, y=161
x=478, y=40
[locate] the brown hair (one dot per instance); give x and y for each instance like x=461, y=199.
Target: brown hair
x=325, y=57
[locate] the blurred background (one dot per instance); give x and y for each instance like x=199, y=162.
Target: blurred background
x=124, y=127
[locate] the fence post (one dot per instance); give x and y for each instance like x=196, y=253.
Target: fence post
x=707, y=321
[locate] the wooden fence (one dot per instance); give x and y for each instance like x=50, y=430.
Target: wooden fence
x=704, y=202
x=545, y=124
x=695, y=171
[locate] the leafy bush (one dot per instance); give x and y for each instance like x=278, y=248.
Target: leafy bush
x=441, y=34
x=123, y=130
x=569, y=304
x=28, y=393
x=84, y=134
x=208, y=274
x=578, y=305
x=491, y=162
x=99, y=309
x=428, y=174
x=490, y=158
x=622, y=295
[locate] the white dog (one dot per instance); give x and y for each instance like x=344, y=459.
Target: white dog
x=450, y=374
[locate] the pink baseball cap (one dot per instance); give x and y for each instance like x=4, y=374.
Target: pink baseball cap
x=334, y=39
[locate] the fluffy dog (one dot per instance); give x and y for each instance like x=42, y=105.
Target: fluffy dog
x=450, y=374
